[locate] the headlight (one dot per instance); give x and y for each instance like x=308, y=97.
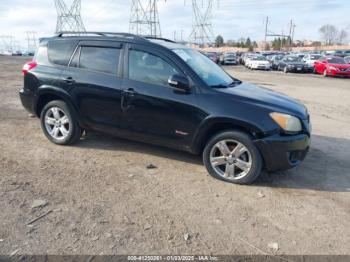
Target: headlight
x=287, y=122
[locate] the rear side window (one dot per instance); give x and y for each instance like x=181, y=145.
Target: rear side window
x=100, y=59
x=60, y=51
x=41, y=55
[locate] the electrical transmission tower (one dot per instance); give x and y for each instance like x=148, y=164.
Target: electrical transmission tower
x=202, y=31
x=7, y=42
x=144, y=18
x=31, y=41
x=69, y=18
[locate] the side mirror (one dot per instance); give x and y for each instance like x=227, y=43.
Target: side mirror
x=180, y=82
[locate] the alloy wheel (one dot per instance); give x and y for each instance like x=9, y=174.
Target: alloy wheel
x=57, y=123
x=230, y=159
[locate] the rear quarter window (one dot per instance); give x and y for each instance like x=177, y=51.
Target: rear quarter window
x=60, y=51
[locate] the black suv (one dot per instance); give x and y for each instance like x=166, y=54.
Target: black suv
x=164, y=93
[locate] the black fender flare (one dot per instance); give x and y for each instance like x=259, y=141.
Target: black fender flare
x=203, y=131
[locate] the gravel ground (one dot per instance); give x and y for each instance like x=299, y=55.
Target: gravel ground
x=98, y=197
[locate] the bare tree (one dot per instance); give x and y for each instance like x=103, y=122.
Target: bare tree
x=343, y=35
x=329, y=33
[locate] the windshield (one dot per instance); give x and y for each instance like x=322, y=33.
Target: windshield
x=208, y=71
x=293, y=59
x=336, y=60
x=259, y=58
x=314, y=57
x=277, y=58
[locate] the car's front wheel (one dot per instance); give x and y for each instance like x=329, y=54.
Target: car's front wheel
x=231, y=156
x=59, y=123
x=325, y=73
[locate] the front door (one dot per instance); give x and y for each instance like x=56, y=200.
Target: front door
x=152, y=110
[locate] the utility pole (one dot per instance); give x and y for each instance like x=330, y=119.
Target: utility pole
x=144, y=18
x=293, y=30
x=266, y=26
x=282, y=35
x=69, y=19
x=202, y=31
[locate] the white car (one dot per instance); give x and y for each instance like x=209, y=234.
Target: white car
x=259, y=62
x=310, y=60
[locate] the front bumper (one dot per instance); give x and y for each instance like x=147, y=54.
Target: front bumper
x=27, y=99
x=295, y=69
x=283, y=152
x=339, y=73
x=230, y=62
x=262, y=67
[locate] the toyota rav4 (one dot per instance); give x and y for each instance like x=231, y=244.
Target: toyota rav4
x=160, y=92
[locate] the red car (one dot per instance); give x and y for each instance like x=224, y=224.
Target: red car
x=332, y=66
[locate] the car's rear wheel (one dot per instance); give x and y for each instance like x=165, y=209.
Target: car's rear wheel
x=59, y=123
x=231, y=156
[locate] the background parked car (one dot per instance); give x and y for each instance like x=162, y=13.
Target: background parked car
x=258, y=62
x=246, y=57
x=213, y=56
x=292, y=64
x=229, y=59
x=310, y=60
x=332, y=66
x=276, y=59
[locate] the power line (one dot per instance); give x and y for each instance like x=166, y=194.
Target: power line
x=69, y=19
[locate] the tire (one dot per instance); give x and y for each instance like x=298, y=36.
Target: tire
x=325, y=73
x=251, y=158
x=61, y=129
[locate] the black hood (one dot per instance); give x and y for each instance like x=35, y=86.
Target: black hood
x=259, y=96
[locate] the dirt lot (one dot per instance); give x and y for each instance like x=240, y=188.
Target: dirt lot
x=105, y=201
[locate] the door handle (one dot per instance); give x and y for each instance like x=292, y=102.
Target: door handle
x=130, y=92
x=69, y=80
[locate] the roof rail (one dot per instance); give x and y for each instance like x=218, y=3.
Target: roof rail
x=159, y=38
x=61, y=34
x=111, y=34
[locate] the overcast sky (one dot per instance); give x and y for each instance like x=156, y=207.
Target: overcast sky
x=231, y=18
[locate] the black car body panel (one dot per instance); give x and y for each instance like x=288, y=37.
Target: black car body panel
x=296, y=67
x=116, y=104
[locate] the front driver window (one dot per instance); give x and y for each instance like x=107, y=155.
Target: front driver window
x=148, y=68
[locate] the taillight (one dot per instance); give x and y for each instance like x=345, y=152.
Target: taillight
x=28, y=66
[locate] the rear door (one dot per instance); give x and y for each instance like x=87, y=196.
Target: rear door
x=152, y=110
x=93, y=79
